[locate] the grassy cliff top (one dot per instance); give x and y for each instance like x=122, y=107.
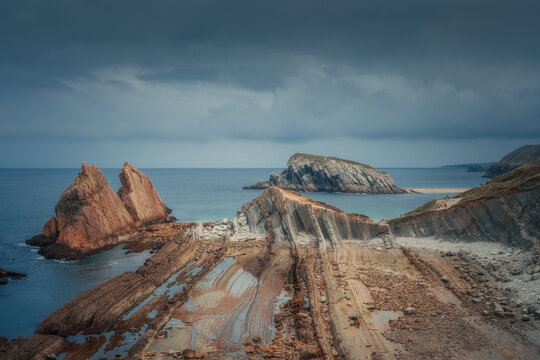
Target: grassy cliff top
x=317, y=158
x=524, y=178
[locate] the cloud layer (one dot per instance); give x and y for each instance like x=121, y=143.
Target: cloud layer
x=295, y=74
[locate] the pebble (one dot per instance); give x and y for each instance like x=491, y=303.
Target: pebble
x=409, y=311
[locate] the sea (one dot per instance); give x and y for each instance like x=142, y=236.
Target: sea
x=28, y=197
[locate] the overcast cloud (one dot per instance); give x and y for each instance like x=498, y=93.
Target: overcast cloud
x=247, y=83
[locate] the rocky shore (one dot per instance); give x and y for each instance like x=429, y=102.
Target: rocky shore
x=503, y=210
x=293, y=278
x=309, y=173
x=7, y=274
x=90, y=216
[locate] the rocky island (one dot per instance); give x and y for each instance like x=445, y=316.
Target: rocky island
x=91, y=216
x=293, y=278
x=306, y=172
x=513, y=160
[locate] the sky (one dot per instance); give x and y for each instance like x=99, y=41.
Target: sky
x=248, y=83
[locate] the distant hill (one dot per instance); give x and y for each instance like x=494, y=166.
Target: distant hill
x=472, y=167
x=513, y=160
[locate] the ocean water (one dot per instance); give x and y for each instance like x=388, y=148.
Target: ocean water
x=28, y=197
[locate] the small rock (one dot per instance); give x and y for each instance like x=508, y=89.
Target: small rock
x=444, y=279
x=250, y=349
x=409, y=311
x=525, y=318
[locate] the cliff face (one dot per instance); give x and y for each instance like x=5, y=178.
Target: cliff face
x=507, y=209
x=318, y=173
x=512, y=219
x=89, y=214
x=290, y=218
x=140, y=197
x=513, y=160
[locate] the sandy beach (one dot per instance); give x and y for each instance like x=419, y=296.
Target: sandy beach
x=423, y=191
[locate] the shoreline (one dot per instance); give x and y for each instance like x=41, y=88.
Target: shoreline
x=427, y=191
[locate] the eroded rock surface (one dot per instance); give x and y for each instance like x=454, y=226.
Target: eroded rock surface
x=91, y=216
x=140, y=197
x=507, y=209
x=307, y=172
x=293, y=278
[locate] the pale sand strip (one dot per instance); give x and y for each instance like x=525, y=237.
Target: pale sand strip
x=422, y=191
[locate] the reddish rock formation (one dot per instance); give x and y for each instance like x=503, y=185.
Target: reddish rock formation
x=90, y=215
x=50, y=229
x=140, y=197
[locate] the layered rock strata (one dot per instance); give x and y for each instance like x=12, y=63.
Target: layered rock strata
x=140, y=197
x=292, y=218
x=507, y=210
x=91, y=216
x=292, y=278
x=306, y=172
x=513, y=160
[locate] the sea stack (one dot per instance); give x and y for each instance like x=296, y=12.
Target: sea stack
x=140, y=198
x=513, y=160
x=307, y=172
x=91, y=216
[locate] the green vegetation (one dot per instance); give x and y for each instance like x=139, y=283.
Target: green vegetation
x=318, y=158
x=524, y=178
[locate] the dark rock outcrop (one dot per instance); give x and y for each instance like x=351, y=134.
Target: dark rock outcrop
x=91, y=216
x=140, y=197
x=507, y=209
x=4, y=274
x=306, y=172
x=513, y=160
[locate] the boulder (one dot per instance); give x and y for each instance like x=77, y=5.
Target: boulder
x=140, y=198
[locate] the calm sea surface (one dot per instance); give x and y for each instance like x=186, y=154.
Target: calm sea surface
x=28, y=198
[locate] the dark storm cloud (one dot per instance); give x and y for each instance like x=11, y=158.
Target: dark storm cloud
x=284, y=71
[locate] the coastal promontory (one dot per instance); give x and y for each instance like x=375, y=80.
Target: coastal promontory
x=522, y=155
x=306, y=172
